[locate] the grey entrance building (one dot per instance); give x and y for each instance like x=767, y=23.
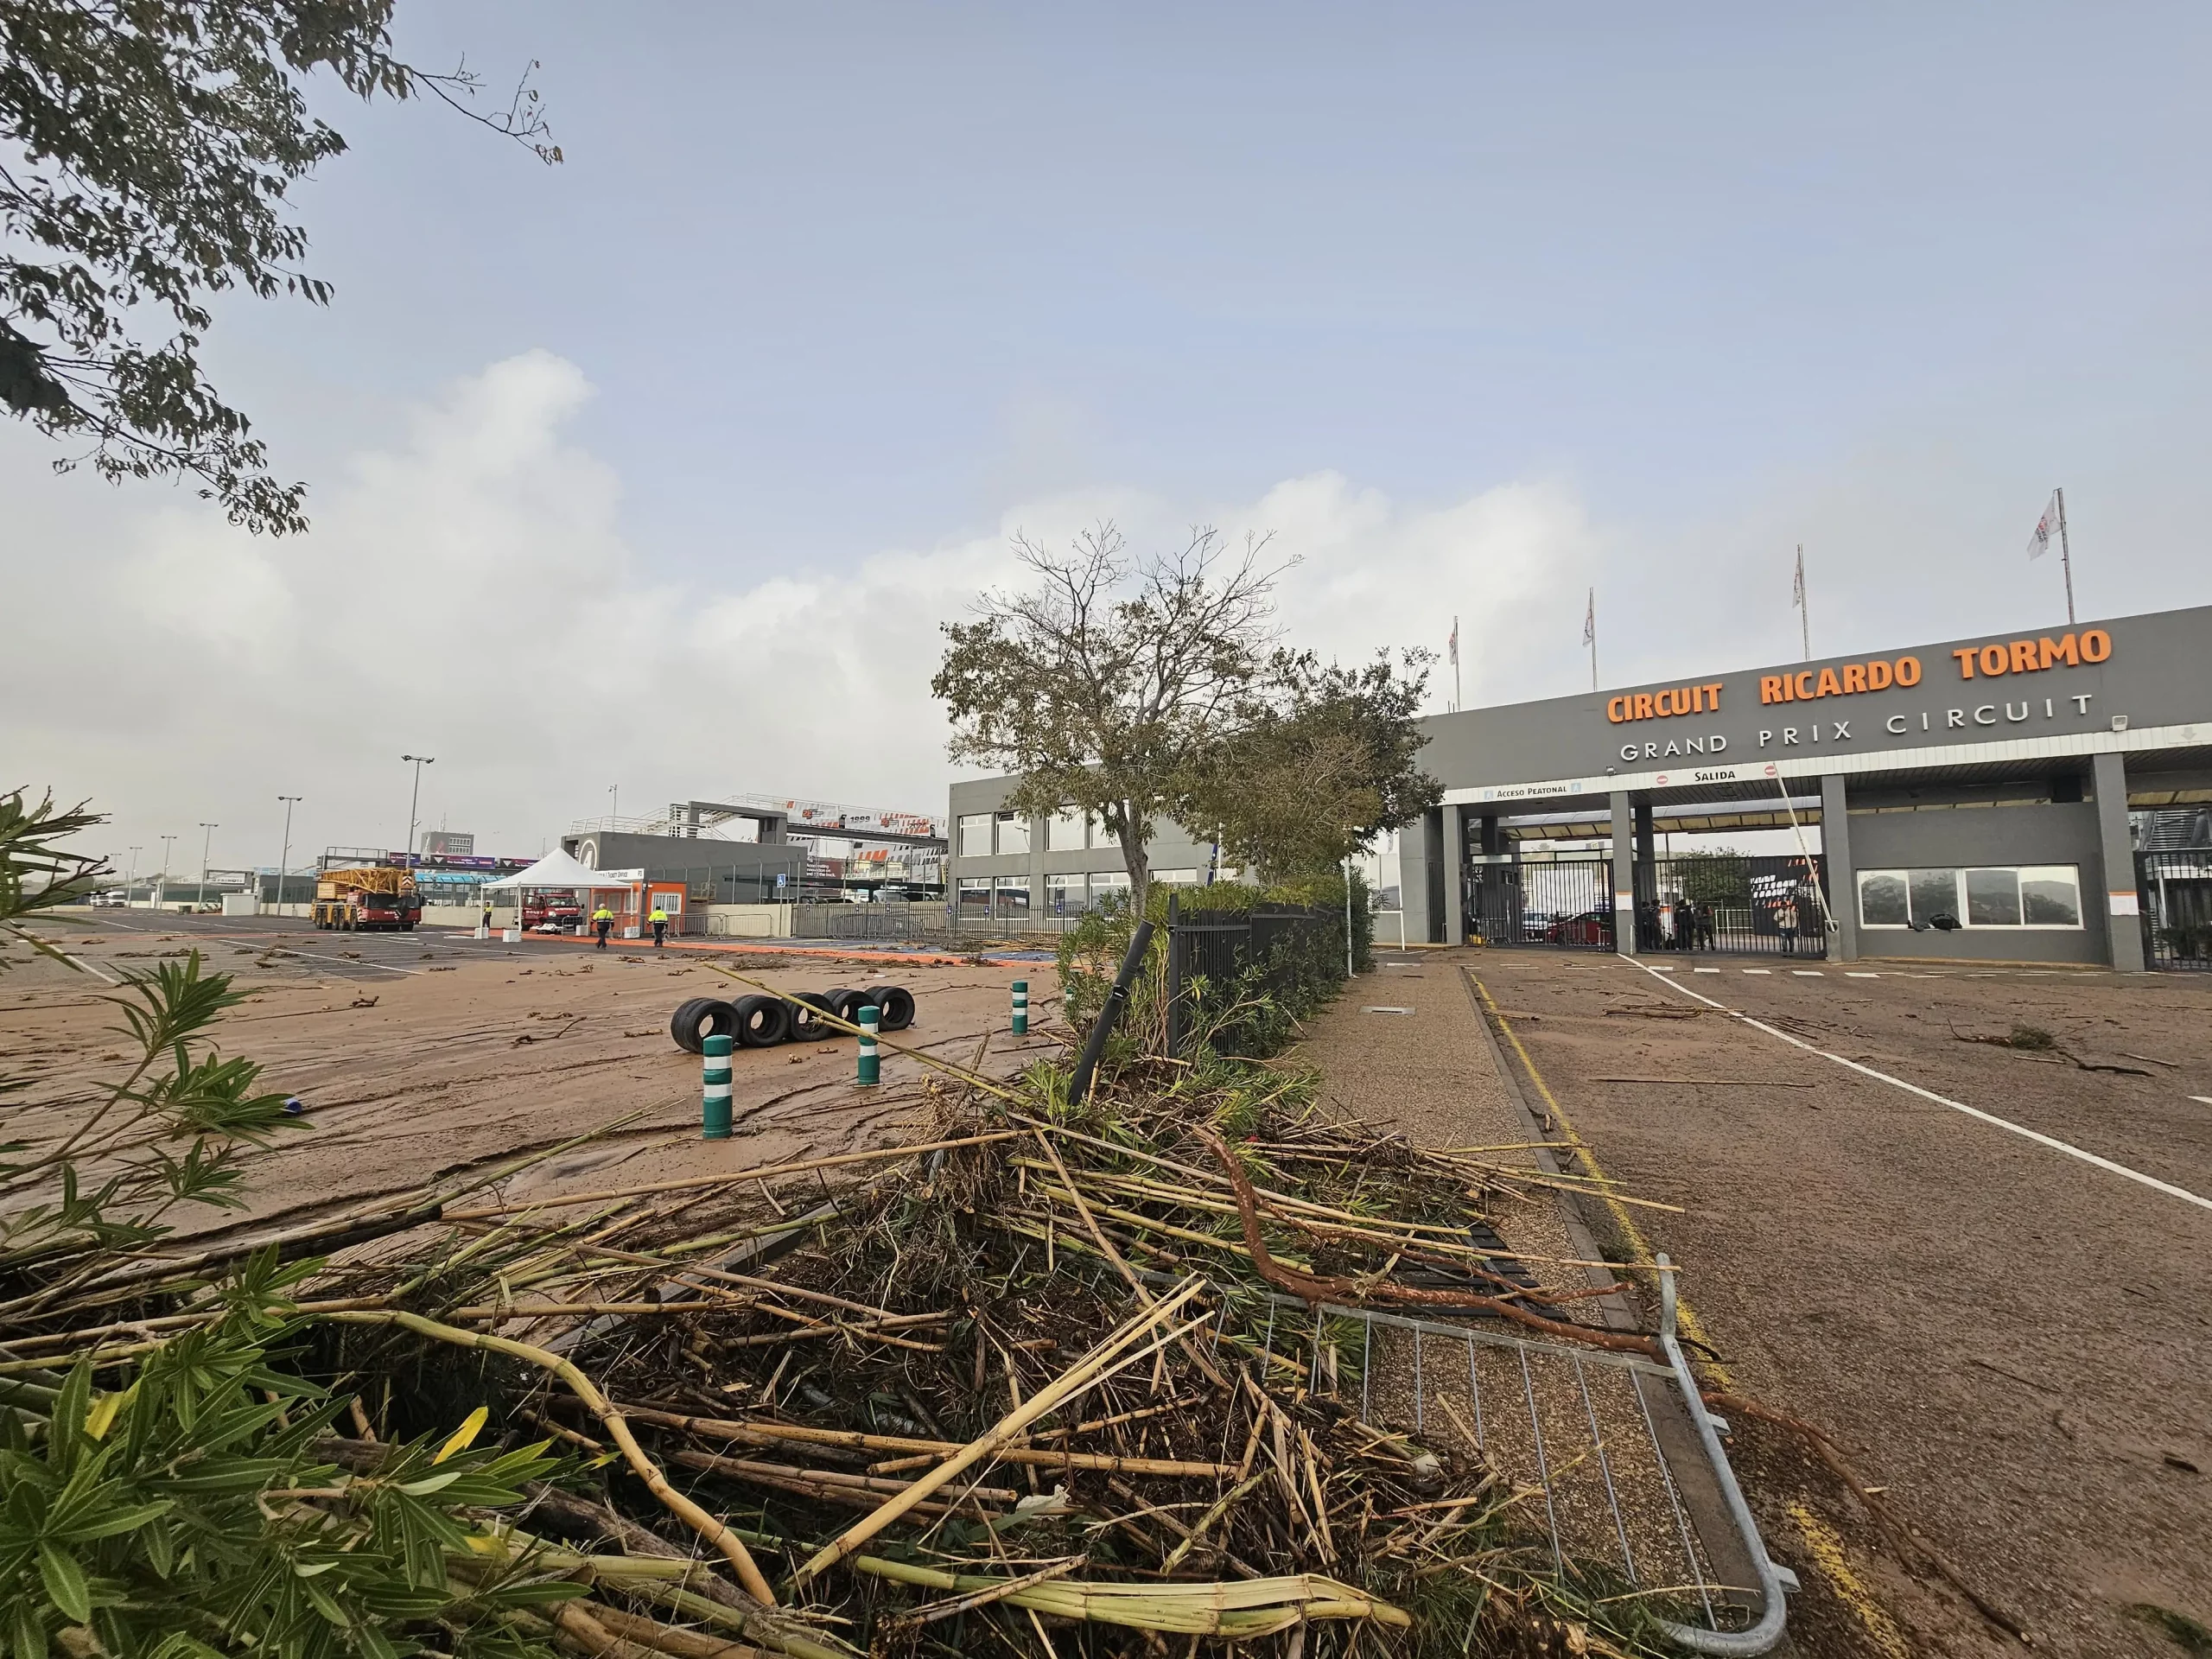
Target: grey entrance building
x=1987, y=781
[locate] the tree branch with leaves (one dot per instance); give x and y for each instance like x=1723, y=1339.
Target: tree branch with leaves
x=147, y=149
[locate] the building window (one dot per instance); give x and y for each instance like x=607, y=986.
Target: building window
x=1176, y=878
x=1993, y=896
x=1064, y=895
x=1012, y=899
x=975, y=835
x=1013, y=833
x=1064, y=831
x=1105, y=883
x=975, y=895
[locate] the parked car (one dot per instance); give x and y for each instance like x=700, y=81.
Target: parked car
x=1592, y=927
x=1535, y=925
x=107, y=897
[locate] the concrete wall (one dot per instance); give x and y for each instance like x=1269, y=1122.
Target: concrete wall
x=1976, y=835
x=1171, y=847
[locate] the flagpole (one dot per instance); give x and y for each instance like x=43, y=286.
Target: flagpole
x=1590, y=633
x=1455, y=664
x=1804, y=606
x=2065, y=557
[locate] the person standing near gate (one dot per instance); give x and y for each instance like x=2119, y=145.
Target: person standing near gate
x=602, y=923
x=1785, y=923
x=659, y=920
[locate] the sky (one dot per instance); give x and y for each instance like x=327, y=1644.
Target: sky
x=655, y=472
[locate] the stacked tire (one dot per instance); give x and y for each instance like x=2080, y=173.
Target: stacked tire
x=764, y=1021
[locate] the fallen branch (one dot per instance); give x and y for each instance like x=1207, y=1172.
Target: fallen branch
x=714, y=1531
x=1314, y=1289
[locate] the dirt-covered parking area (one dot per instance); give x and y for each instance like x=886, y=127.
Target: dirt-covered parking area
x=433, y=1055
x=2012, y=1338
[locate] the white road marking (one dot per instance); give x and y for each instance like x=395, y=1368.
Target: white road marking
x=1758, y=970
x=1704, y=970
x=1847, y=974
x=1663, y=970
x=2202, y=1100
x=2022, y=1130
x=347, y=961
x=1808, y=973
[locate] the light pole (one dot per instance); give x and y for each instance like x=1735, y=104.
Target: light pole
x=284, y=857
x=206, y=842
x=415, y=799
x=129, y=876
x=615, y=811
x=162, y=896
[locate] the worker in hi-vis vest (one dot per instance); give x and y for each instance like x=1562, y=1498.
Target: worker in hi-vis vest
x=602, y=923
x=659, y=920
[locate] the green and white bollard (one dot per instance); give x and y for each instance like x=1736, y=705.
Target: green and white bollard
x=714, y=1103
x=1021, y=1007
x=871, y=1063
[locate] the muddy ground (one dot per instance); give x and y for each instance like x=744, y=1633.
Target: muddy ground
x=2011, y=1339
x=424, y=1055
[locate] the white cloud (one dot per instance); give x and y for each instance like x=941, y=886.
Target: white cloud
x=467, y=591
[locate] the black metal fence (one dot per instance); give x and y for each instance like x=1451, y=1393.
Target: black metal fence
x=1567, y=902
x=1727, y=904
x=1290, y=954
x=2175, y=889
x=1735, y=905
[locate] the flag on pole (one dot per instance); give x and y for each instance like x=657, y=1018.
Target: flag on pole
x=1797, y=588
x=1590, y=621
x=1455, y=642
x=2046, y=529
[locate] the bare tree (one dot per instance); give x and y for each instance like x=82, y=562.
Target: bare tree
x=1113, y=682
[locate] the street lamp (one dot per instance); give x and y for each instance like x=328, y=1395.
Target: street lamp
x=615, y=811
x=206, y=842
x=163, y=896
x=284, y=857
x=415, y=799
x=129, y=876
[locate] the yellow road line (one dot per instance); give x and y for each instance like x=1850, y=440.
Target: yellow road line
x=1691, y=1325
x=1825, y=1545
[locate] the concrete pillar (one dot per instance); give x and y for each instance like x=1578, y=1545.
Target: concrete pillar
x=1455, y=875
x=1036, y=868
x=1492, y=843
x=1843, y=876
x=1623, y=875
x=1420, y=857
x=2122, y=908
x=1647, y=860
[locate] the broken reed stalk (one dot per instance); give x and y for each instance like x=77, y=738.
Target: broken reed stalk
x=854, y=1439
x=714, y=1531
x=1108, y=1358
x=1242, y=1611
x=1313, y=1290
x=554, y=1201
x=1144, y=1296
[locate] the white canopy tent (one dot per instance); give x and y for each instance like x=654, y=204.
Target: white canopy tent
x=558, y=869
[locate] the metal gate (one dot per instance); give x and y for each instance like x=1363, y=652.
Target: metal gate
x=1568, y=903
x=1733, y=904
x=2175, y=891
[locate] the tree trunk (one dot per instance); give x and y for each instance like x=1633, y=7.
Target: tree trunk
x=1134, y=859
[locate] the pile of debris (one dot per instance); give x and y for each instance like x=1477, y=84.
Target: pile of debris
x=1063, y=1379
